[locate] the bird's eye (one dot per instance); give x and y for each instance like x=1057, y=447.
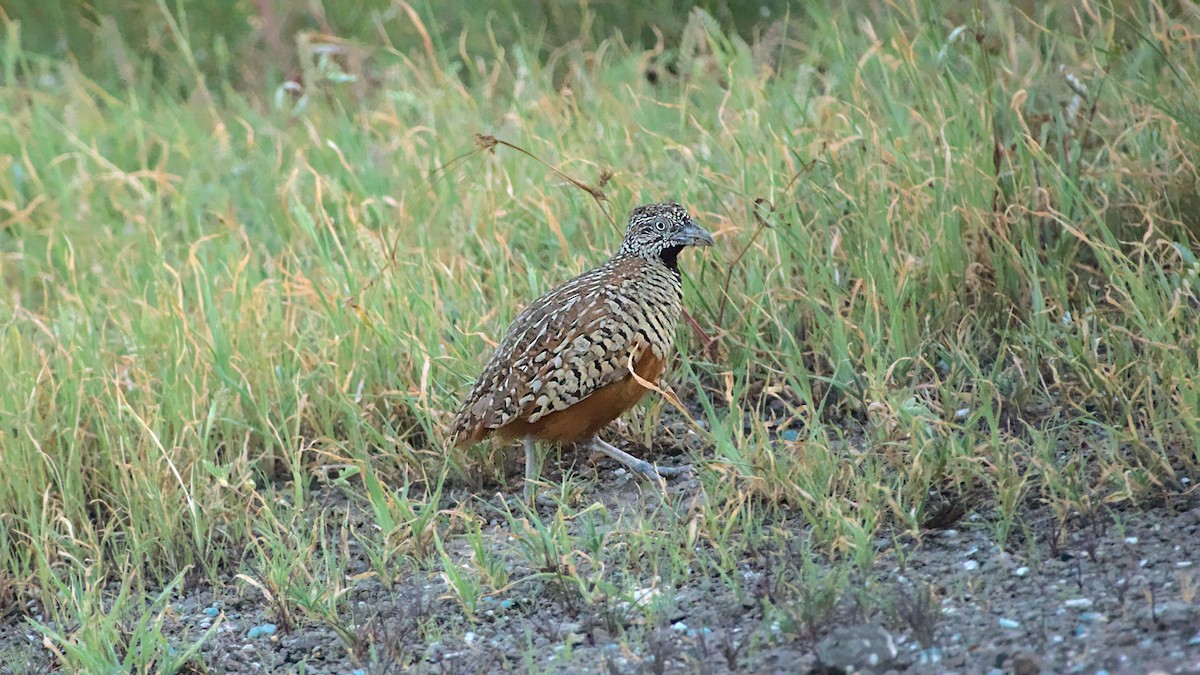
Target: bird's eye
x=660, y=225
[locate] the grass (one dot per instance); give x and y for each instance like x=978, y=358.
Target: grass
x=237, y=322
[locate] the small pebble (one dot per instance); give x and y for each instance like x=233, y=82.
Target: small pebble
x=265, y=630
x=1078, y=603
x=211, y=611
x=1009, y=623
x=1021, y=571
x=679, y=627
x=247, y=647
x=1131, y=540
x=929, y=656
x=1093, y=617
x=970, y=565
x=205, y=624
x=1195, y=640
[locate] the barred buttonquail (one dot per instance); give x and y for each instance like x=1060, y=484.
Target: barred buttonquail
x=562, y=371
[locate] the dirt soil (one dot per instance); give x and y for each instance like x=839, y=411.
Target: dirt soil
x=1116, y=596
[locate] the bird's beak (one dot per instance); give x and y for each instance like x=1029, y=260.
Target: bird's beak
x=692, y=235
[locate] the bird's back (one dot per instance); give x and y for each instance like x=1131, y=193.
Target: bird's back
x=578, y=340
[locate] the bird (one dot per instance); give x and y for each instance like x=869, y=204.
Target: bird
x=565, y=367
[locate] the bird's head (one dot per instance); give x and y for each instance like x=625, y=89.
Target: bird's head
x=662, y=231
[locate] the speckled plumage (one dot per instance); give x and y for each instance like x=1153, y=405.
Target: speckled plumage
x=574, y=340
x=562, y=370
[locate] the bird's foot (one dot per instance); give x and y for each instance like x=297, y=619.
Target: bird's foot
x=640, y=465
x=646, y=468
x=535, y=497
x=683, y=470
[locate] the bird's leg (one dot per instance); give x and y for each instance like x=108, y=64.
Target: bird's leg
x=638, y=465
x=531, y=469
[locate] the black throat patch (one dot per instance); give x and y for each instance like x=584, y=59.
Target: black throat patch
x=670, y=256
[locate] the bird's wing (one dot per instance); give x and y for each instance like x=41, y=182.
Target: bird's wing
x=570, y=342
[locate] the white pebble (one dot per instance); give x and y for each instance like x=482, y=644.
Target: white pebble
x=1131, y=540
x=1009, y=623
x=1021, y=571
x=970, y=565
x=1078, y=603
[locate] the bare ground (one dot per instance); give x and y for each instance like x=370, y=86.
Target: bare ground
x=1117, y=593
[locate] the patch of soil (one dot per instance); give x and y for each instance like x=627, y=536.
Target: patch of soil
x=1117, y=599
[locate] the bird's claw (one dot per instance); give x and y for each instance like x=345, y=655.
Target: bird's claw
x=648, y=469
